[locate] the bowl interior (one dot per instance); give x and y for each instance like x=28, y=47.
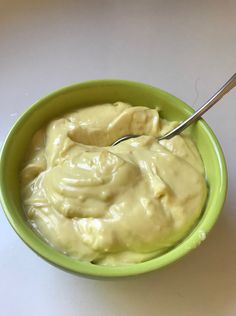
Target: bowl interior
x=98, y=92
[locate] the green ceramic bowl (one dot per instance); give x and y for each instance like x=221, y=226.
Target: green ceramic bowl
x=97, y=92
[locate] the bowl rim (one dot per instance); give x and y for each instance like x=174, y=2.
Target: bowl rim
x=70, y=264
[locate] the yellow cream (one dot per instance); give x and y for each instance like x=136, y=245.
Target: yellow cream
x=112, y=205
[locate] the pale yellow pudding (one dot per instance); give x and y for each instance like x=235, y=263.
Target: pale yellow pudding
x=112, y=205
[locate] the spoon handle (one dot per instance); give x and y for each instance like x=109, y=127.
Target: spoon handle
x=230, y=84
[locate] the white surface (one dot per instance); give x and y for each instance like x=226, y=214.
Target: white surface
x=185, y=47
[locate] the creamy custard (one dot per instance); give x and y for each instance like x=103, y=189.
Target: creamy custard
x=112, y=205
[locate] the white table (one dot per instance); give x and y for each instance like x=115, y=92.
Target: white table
x=185, y=47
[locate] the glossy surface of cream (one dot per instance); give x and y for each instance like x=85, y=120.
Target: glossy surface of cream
x=112, y=205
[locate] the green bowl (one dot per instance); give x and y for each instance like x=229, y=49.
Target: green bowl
x=96, y=92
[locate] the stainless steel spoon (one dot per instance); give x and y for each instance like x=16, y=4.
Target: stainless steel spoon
x=230, y=84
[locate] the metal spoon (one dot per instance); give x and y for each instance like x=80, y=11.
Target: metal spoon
x=230, y=84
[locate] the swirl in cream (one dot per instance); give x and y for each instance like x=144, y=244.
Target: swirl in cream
x=112, y=205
